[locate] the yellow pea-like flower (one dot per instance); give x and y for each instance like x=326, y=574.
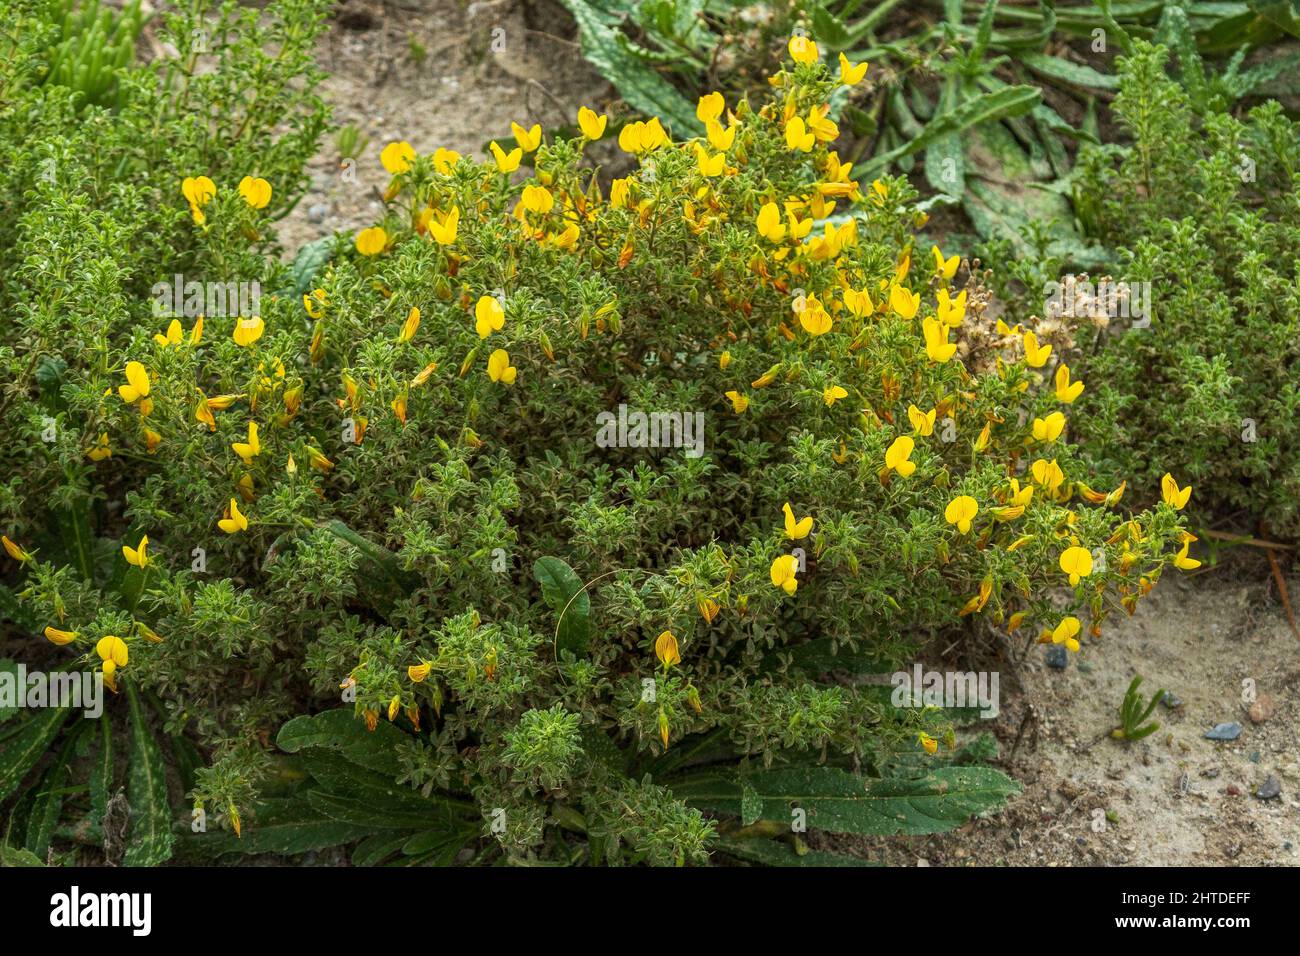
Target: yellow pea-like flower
x=506, y=162
x=1077, y=563
x=803, y=49
x=709, y=166
x=794, y=530
x=1035, y=355
x=738, y=401
x=709, y=108
x=443, y=231
x=371, y=241
x=769, y=222
x=951, y=311
x=946, y=268
x=903, y=302
x=814, y=318
x=397, y=157
x=255, y=191
x=961, y=511
x=1066, y=391
x=783, y=572
x=537, y=199
x=1181, y=559
x=418, y=672
x=111, y=648
x=489, y=316
x=833, y=393
x=198, y=190
x=797, y=135
x=248, y=450
x=1172, y=494
x=173, y=335
x=666, y=650
x=1049, y=429
x=235, y=520
x=1067, y=633
x=929, y=744
x=591, y=124
x=411, y=325
x=922, y=422
x=720, y=137
x=528, y=139
x=56, y=636
x=859, y=303
x=898, y=456
x=1048, y=474
x=137, y=383
x=937, y=346
x=139, y=555
x=851, y=75
x=248, y=331
x=499, y=368
x=100, y=450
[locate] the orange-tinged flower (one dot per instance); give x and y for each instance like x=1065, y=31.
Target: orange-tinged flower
x=666, y=650
x=418, y=672
x=19, y=554
x=738, y=401
x=928, y=743
x=55, y=636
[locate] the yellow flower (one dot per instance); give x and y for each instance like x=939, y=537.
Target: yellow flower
x=1077, y=563
x=832, y=394
x=814, y=317
x=1172, y=494
x=1049, y=429
x=769, y=222
x=55, y=636
x=1035, y=354
x=951, y=311
x=1020, y=496
x=489, y=316
x=1067, y=633
x=960, y=511
x=720, y=138
x=666, y=650
x=797, y=135
x=250, y=449
x=591, y=124
x=444, y=232
x=903, y=302
x=528, y=139
x=859, y=303
x=803, y=49
x=138, y=555
x=397, y=157
x=642, y=137
x=946, y=268
x=898, y=456
x=1065, y=391
x=851, y=75
x=173, y=335
x=398, y=405
x=1047, y=473
x=937, y=346
x=444, y=159
x=248, y=331
x=100, y=450
x=537, y=199
x=418, y=672
x=1181, y=561
x=317, y=460
x=137, y=386
x=783, y=573
x=151, y=440
x=499, y=367
x=371, y=242
x=710, y=107
x=112, y=649
x=198, y=190
x=922, y=422
x=315, y=302
x=256, y=191
x=410, y=326
x=235, y=520
x=506, y=162
x=794, y=530
x=709, y=166
x=15, y=551
x=738, y=401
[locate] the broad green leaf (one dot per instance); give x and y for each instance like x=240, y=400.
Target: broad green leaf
x=16, y=856
x=769, y=852
x=1067, y=71
x=21, y=751
x=841, y=802
x=637, y=83
x=47, y=805
x=101, y=771
x=563, y=593
x=373, y=850
x=285, y=827
x=310, y=259
x=362, y=813
x=341, y=730
x=150, y=840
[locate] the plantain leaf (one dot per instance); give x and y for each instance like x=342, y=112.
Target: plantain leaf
x=563, y=592
x=150, y=839
x=284, y=826
x=769, y=852
x=22, y=751
x=340, y=730
x=841, y=802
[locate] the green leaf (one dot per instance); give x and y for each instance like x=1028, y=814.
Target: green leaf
x=640, y=85
x=341, y=730
x=150, y=839
x=768, y=852
x=17, y=856
x=363, y=813
x=563, y=592
x=22, y=751
x=373, y=850
x=101, y=773
x=841, y=802
x=310, y=259
x=283, y=826
x=1067, y=71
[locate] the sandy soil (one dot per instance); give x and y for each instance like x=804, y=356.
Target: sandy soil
x=1172, y=798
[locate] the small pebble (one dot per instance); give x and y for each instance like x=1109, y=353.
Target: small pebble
x=317, y=213
x=1228, y=731
x=1058, y=658
x=1269, y=789
x=1233, y=790
x=1262, y=709
x=1171, y=700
